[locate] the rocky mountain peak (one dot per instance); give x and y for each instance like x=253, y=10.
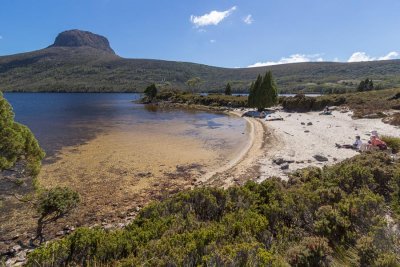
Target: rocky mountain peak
x=77, y=38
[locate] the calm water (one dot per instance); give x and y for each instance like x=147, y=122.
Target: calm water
x=66, y=119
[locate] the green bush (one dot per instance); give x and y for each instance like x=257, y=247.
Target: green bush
x=302, y=103
x=313, y=219
x=17, y=143
x=392, y=142
x=311, y=251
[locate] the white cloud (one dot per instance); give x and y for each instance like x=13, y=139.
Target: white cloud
x=390, y=55
x=296, y=58
x=212, y=18
x=212, y=41
x=362, y=56
x=248, y=19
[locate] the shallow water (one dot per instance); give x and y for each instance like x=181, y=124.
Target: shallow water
x=71, y=119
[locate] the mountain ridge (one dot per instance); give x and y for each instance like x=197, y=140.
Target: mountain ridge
x=86, y=62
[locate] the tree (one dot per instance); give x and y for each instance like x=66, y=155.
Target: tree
x=366, y=85
x=151, y=92
x=17, y=143
x=228, y=89
x=263, y=92
x=53, y=204
x=193, y=83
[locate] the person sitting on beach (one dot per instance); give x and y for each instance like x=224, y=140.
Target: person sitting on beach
x=356, y=145
x=326, y=111
x=376, y=142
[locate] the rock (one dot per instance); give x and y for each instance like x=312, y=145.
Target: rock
x=302, y=123
x=60, y=233
x=278, y=161
x=21, y=256
x=77, y=38
x=306, y=131
x=320, y=158
x=285, y=166
x=15, y=249
x=108, y=227
x=309, y=123
x=137, y=209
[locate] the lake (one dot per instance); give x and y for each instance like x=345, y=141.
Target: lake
x=70, y=119
x=119, y=155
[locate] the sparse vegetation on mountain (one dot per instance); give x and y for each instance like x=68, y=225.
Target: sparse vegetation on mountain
x=79, y=64
x=340, y=215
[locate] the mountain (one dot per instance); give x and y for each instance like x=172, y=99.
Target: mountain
x=81, y=61
x=77, y=38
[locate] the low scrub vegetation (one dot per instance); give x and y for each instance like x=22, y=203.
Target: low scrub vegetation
x=392, y=142
x=217, y=100
x=362, y=103
x=302, y=103
x=335, y=216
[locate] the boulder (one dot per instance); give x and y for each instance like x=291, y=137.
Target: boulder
x=320, y=158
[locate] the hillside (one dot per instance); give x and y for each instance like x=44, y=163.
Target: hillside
x=84, y=62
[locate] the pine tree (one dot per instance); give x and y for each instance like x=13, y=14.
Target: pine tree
x=263, y=93
x=271, y=90
x=250, y=99
x=228, y=89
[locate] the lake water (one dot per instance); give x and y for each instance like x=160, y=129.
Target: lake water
x=70, y=119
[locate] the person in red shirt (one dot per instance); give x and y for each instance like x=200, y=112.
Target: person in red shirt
x=375, y=141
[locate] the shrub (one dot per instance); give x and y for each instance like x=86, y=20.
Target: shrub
x=311, y=251
x=315, y=217
x=392, y=142
x=52, y=205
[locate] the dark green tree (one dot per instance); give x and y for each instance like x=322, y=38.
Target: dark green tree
x=263, y=92
x=228, y=89
x=270, y=89
x=366, y=85
x=151, y=92
x=17, y=143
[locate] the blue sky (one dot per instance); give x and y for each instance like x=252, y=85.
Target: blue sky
x=237, y=33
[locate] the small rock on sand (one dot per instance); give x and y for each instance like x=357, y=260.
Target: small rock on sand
x=320, y=158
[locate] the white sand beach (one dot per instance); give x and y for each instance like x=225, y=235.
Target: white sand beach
x=300, y=136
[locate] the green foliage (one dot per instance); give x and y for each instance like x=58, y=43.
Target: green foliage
x=17, y=143
x=366, y=85
x=228, y=89
x=57, y=201
x=333, y=216
x=193, y=83
x=215, y=100
x=84, y=69
x=392, y=142
x=302, y=103
x=151, y=91
x=263, y=92
x=311, y=251
x=53, y=204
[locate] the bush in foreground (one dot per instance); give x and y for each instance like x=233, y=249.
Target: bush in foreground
x=319, y=217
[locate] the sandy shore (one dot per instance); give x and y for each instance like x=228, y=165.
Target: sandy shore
x=300, y=136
